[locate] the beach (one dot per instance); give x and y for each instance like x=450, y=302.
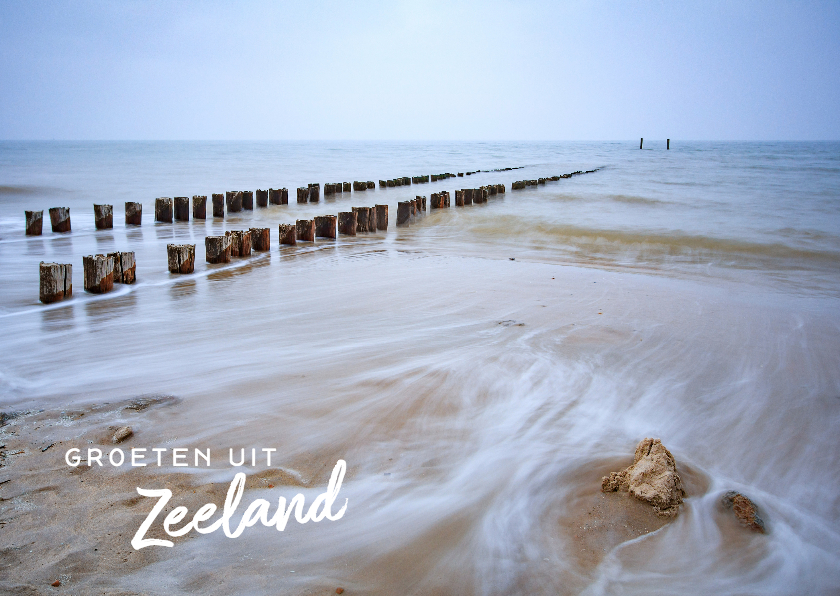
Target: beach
x=479, y=371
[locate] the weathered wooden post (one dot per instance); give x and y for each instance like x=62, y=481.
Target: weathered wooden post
x=518, y=185
x=262, y=198
x=346, y=186
x=315, y=192
x=459, y=198
x=329, y=188
x=163, y=209
x=98, y=273
x=357, y=186
x=260, y=239
x=305, y=230
x=500, y=188
x=668, y=144
x=371, y=185
x=182, y=209
x=103, y=216
x=217, y=249
x=233, y=201
x=641, y=142
x=390, y=182
x=181, y=258
x=434, y=203
x=56, y=282
x=337, y=187
x=302, y=195
x=34, y=222
x=467, y=194
x=288, y=234
x=124, y=267
x=240, y=243
x=274, y=196
x=325, y=226
x=381, y=217
x=347, y=223
x=248, y=200
x=382, y=184
x=446, y=198
x=404, y=212
x=199, y=207
x=133, y=213
x=218, y=205
x=60, y=219
x=362, y=217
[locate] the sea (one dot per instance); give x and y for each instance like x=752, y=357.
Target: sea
x=479, y=370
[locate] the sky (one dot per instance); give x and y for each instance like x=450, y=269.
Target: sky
x=448, y=70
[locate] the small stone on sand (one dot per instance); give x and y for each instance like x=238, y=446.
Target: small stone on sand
x=122, y=434
x=745, y=510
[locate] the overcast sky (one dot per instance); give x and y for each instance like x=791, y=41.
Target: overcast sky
x=420, y=70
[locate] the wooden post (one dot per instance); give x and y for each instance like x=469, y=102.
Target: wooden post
x=362, y=218
x=371, y=185
x=103, y=216
x=218, y=205
x=56, y=282
x=34, y=222
x=182, y=209
x=60, y=219
x=248, y=200
x=217, y=249
x=124, y=267
x=518, y=185
x=262, y=198
x=500, y=188
x=314, y=192
x=233, y=201
x=337, y=187
x=382, y=184
x=181, y=258
x=467, y=194
x=302, y=195
x=459, y=198
x=274, y=196
x=668, y=144
x=641, y=142
x=347, y=223
x=288, y=234
x=404, y=212
x=98, y=273
x=199, y=207
x=133, y=214
x=305, y=230
x=381, y=217
x=325, y=226
x=163, y=209
x=359, y=185
x=346, y=186
x=260, y=239
x=240, y=243
x=329, y=188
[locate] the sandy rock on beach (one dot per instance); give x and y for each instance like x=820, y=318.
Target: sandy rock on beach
x=744, y=509
x=652, y=478
x=122, y=434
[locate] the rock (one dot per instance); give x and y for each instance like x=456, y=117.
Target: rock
x=55, y=584
x=745, y=510
x=652, y=478
x=122, y=434
x=339, y=590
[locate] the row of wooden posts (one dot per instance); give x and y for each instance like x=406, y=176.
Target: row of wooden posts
x=101, y=272
x=521, y=184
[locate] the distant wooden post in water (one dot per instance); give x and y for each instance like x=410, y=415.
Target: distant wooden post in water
x=347, y=222
x=314, y=192
x=98, y=273
x=133, y=214
x=124, y=267
x=248, y=200
x=302, y=194
x=103, y=216
x=288, y=234
x=217, y=249
x=199, y=207
x=381, y=217
x=641, y=142
x=163, y=209
x=262, y=198
x=182, y=209
x=668, y=144
x=260, y=239
x=404, y=209
x=181, y=258
x=56, y=282
x=325, y=226
x=34, y=222
x=363, y=219
x=218, y=205
x=60, y=219
x=233, y=200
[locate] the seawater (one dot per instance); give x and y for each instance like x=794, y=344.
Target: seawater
x=690, y=295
